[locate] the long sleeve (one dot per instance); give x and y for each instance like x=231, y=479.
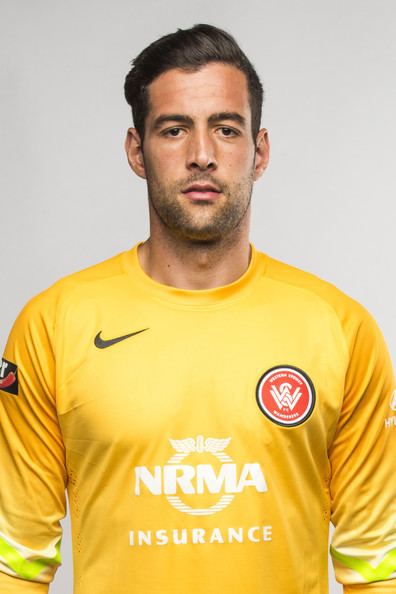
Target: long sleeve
x=362, y=456
x=33, y=477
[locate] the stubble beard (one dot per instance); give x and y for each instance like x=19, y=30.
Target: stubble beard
x=211, y=222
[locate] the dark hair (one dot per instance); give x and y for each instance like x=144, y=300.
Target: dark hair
x=188, y=49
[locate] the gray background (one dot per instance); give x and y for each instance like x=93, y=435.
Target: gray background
x=326, y=203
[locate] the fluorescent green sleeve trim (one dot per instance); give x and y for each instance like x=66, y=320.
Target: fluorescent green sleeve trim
x=370, y=574
x=27, y=570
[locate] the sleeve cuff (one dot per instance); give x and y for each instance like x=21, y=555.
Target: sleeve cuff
x=11, y=585
x=386, y=587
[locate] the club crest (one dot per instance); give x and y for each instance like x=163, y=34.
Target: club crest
x=286, y=395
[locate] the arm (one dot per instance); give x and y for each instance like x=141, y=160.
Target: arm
x=32, y=490
x=362, y=456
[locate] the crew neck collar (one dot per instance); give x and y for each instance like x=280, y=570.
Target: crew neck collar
x=216, y=296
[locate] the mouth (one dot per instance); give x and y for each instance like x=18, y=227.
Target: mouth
x=205, y=191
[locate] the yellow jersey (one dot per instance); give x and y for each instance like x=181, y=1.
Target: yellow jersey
x=206, y=438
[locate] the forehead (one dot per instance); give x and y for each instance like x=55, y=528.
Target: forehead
x=213, y=88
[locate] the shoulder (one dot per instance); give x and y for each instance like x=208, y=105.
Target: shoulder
x=296, y=277
x=95, y=274
x=76, y=287
x=353, y=317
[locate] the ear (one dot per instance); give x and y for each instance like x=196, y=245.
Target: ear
x=133, y=149
x=262, y=153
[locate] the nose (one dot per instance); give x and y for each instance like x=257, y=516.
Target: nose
x=201, y=154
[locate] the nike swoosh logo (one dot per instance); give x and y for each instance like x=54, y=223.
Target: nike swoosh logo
x=103, y=344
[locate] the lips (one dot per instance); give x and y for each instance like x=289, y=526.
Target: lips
x=202, y=191
x=202, y=188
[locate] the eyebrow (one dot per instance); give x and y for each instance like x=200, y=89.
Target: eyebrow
x=212, y=119
x=227, y=115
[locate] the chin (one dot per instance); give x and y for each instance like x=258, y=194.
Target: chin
x=198, y=235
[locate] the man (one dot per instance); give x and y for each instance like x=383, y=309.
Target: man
x=208, y=408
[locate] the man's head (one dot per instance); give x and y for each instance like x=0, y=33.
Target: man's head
x=190, y=50
x=201, y=152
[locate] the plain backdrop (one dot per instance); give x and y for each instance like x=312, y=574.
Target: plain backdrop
x=326, y=204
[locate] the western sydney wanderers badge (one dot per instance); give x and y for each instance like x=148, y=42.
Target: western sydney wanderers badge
x=286, y=395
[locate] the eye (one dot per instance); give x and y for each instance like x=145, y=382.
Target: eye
x=228, y=132
x=173, y=132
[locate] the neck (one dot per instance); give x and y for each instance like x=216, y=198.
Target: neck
x=195, y=265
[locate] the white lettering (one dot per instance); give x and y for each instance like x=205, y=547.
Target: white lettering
x=390, y=421
x=182, y=540
x=4, y=366
x=178, y=474
x=267, y=533
x=144, y=537
x=235, y=534
x=198, y=535
x=256, y=478
x=184, y=536
x=250, y=533
x=162, y=538
x=152, y=482
x=200, y=479
x=206, y=475
x=216, y=536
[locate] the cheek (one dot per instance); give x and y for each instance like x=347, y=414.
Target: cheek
x=162, y=162
x=163, y=174
x=238, y=162
x=156, y=164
